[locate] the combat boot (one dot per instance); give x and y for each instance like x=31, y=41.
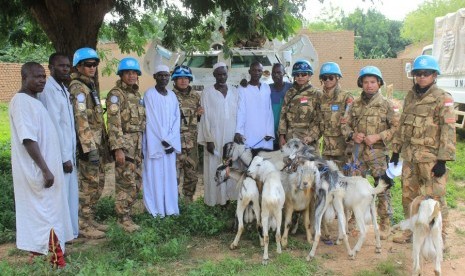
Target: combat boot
x=89, y=232
x=405, y=237
x=98, y=226
x=385, y=229
x=128, y=225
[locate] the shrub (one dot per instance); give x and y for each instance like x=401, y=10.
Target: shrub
x=5, y=157
x=105, y=209
x=7, y=215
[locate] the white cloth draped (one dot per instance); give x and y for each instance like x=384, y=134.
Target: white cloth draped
x=38, y=209
x=255, y=116
x=160, y=185
x=56, y=100
x=217, y=125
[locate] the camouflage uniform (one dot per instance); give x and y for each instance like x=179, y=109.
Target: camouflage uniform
x=426, y=135
x=373, y=116
x=187, y=160
x=333, y=110
x=126, y=122
x=299, y=114
x=91, y=135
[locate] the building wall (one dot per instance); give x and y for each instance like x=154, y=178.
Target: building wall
x=335, y=46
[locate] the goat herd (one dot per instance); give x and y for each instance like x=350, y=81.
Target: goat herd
x=297, y=179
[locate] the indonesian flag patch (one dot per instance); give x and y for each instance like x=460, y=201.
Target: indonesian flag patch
x=449, y=102
x=395, y=108
x=303, y=100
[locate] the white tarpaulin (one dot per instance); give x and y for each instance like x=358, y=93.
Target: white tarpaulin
x=449, y=42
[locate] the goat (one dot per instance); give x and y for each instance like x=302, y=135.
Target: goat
x=352, y=193
x=426, y=224
x=235, y=151
x=248, y=199
x=298, y=188
x=272, y=200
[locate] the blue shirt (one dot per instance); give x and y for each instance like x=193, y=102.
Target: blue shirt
x=277, y=98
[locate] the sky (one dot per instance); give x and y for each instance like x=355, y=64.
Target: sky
x=392, y=9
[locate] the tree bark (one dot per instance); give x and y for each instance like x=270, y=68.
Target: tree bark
x=70, y=24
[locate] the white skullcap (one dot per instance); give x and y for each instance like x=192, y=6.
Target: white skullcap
x=219, y=64
x=161, y=68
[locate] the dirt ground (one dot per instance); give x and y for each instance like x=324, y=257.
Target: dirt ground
x=332, y=257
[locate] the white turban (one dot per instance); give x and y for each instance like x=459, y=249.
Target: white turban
x=219, y=64
x=161, y=68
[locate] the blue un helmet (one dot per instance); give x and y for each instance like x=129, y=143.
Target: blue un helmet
x=129, y=63
x=302, y=66
x=83, y=54
x=182, y=71
x=330, y=68
x=369, y=71
x=426, y=62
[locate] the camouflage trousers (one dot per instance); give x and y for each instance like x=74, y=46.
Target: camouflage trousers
x=91, y=183
x=417, y=180
x=188, y=167
x=374, y=162
x=128, y=182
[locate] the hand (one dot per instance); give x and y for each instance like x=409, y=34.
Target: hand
x=169, y=150
x=394, y=158
x=308, y=140
x=282, y=140
x=439, y=169
x=48, y=177
x=68, y=167
x=238, y=138
x=119, y=156
x=211, y=147
x=165, y=144
x=358, y=137
x=371, y=139
x=200, y=110
x=94, y=158
x=243, y=83
x=268, y=138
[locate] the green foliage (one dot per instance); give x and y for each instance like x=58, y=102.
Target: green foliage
x=26, y=52
x=419, y=24
x=105, y=209
x=7, y=215
x=376, y=36
x=389, y=267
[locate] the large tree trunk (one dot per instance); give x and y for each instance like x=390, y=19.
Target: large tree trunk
x=70, y=24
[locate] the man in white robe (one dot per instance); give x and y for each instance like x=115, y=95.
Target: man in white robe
x=42, y=214
x=216, y=128
x=161, y=142
x=255, y=122
x=55, y=98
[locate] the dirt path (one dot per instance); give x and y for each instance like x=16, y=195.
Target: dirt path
x=332, y=257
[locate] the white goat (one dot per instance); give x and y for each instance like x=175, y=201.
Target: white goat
x=247, y=200
x=236, y=151
x=352, y=193
x=272, y=199
x=299, y=194
x=426, y=224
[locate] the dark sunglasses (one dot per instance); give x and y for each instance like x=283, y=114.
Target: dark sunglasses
x=325, y=78
x=425, y=73
x=90, y=64
x=300, y=74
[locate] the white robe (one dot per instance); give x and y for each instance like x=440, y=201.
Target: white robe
x=56, y=100
x=255, y=116
x=38, y=209
x=217, y=125
x=159, y=173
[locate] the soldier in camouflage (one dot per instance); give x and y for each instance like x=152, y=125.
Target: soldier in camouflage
x=91, y=140
x=334, y=104
x=371, y=123
x=126, y=122
x=189, y=104
x=426, y=139
x=300, y=108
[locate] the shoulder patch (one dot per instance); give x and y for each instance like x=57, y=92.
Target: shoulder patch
x=449, y=120
x=448, y=102
x=114, y=107
x=81, y=106
x=395, y=108
x=81, y=97
x=114, y=99
x=303, y=100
